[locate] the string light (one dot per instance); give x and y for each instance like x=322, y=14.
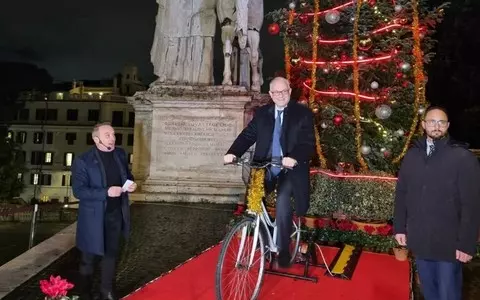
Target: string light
x=313, y=77
x=380, y=127
x=356, y=90
x=318, y=12
x=337, y=93
x=419, y=81
x=346, y=62
x=352, y=176
x=288, y=64
x=376, y=31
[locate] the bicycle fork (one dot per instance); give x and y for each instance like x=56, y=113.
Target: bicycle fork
x=254, y=243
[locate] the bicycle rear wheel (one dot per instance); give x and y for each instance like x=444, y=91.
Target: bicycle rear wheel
x=236, y=278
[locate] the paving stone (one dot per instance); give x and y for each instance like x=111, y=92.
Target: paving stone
x=163, y=236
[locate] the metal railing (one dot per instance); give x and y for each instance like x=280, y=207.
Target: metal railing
x=59, y=212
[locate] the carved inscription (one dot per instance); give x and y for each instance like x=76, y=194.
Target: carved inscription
x=194, y=141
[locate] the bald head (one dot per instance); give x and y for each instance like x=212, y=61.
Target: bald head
x=280, y=91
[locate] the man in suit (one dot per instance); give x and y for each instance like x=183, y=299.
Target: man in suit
x=104, y=213
x=437, y=207
x=283, y=131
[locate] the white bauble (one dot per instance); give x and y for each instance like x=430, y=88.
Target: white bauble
x=332, y=17
x=383, y=112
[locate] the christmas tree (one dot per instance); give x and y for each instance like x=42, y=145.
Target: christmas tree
x=359, y=65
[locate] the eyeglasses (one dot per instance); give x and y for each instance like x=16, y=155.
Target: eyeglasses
x=432, y=123
x=280, y=93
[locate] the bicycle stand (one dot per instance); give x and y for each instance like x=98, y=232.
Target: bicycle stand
x=307, y=259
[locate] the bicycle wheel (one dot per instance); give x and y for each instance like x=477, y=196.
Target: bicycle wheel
x=235, y=278
x=295, y=240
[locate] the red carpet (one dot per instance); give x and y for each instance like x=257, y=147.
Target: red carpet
x=377, y=277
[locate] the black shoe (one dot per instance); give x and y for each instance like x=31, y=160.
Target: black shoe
x=108, y=296
x=284, y=259
x=86, y=288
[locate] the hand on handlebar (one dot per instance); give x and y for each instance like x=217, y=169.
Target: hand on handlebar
x=229, y=158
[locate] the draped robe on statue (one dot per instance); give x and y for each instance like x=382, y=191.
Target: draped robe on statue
x=182, y=50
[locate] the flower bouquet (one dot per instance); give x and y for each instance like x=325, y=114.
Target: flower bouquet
x=56, y=288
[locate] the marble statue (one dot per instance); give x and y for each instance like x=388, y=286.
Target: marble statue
x=242, y=19
x=182, y=50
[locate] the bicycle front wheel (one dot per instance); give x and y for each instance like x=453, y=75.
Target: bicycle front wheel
x=239, y=276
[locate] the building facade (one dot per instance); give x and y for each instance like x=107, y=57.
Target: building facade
x=52, y=129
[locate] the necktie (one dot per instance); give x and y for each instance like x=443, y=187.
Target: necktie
x=431, y=148
x=276, y=147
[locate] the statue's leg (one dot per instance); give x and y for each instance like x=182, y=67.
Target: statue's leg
x=254, y=42
x=228, y=34
x=260, y=66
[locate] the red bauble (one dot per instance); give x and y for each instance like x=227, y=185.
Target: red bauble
x=337, y=120
x=372, y=2
x=273, y=29
x=303, y=19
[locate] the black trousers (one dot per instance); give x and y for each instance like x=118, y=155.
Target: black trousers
x=112, y=233
x=283, y=207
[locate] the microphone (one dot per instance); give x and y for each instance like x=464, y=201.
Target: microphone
x=108, y=148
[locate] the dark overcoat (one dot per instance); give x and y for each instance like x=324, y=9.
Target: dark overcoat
x=297, y=141
x=90, y=187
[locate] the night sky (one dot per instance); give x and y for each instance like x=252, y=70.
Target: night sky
x=90, y=39
x=94, y=39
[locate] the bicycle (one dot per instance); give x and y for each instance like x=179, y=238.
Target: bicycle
x=258, y=231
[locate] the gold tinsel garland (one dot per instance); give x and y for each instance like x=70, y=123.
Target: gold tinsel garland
x=356, y=90
x=256, y=190
x=313, y=78
x=288, y=64
x=419, y=80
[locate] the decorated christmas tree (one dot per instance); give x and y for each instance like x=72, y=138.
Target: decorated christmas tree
x=359, y=65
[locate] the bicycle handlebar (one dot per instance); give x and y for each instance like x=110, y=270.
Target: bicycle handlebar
x=255, y=165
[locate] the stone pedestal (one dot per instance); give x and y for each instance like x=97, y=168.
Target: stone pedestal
x=181, y=136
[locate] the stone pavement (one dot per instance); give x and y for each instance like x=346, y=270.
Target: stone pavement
x=163, y=236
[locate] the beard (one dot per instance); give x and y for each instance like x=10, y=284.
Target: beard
x=436, y=135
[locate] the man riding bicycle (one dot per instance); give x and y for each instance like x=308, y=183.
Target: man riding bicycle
x=283, y=131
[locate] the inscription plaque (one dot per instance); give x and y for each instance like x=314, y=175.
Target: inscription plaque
x=187, y=141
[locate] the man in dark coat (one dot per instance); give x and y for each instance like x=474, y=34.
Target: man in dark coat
x=437, y=207
x=283, y=132
x=104, y=213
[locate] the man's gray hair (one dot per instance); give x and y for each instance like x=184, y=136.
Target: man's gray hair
x=97, y=127
x=280, y=79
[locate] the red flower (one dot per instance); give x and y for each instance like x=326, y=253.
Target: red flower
x=240, y=210
x=369, y=229
x=385, y=230
x=55, y=287
x=321, y=223
x=345, y=225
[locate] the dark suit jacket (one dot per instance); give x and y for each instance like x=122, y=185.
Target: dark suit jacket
x=297, y=140
x=90, y=187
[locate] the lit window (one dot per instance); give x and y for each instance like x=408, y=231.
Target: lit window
x=59, y=96
x=20, y=176
x=48, y=157
x=130, y=158
x=35, y=179
x=68, y=159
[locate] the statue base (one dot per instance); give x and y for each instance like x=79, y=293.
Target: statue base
x=181, y=136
